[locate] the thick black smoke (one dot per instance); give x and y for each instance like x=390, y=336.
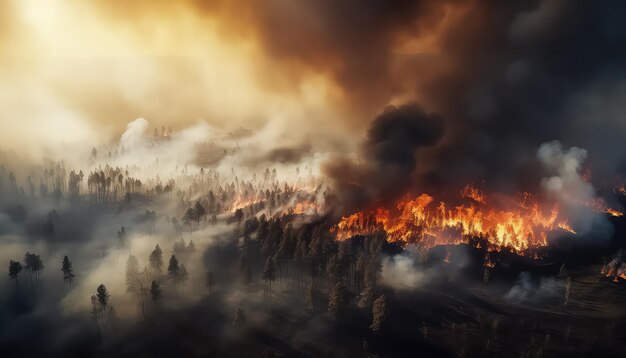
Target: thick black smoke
x=519, y=74
x=383, y=170
x=507, y=76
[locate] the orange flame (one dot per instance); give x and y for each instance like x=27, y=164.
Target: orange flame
x=420, y=220
x=599, y=206
x=474, y=194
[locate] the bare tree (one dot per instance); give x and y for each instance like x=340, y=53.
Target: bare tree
x=269, y=274
x=339, y=300
x=312, y=297
x=379, y=314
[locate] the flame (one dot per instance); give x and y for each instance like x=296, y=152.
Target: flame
x=614, y=212
x=474, y=194
x=599, y=206
x=615, y=270
x=422, y=221
x=303, y=207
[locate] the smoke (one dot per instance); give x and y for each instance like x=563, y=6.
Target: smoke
x=383, y=170
x=508, y=77
x=135, y=133
x=527, y=289
x=401, y=272
x=567, y=187
x=418, y=268
x=289, y=154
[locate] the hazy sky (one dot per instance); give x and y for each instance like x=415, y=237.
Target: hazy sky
x=504, y=77
x=76, y=71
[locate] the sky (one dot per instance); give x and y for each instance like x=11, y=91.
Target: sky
x=504, y=78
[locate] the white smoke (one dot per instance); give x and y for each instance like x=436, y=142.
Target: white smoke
x=400, y=272
x=567, y=186
x=135, y=133
x=528, y=290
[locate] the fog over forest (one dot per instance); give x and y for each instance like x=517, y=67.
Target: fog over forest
x=312, y=178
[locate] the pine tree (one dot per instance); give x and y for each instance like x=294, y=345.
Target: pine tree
x=132, y=274
x=173, y=269
x=199, y=212
x=33, y=264
x=183, y=275
x=156, y=261
x=28, y=265
x=15, y=267
x=68, y=271
x=102, y=296
x=95, y=314
x=38, y=266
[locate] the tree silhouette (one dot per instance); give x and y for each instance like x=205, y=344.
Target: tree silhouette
x=15, y=267
x=173, y=269
x=33, y=264
x=68, y=271
x=156, y=261
x=312, y=297
x=379, y=314
x=155, y=292
x=102, y=296
x=246, y=274
x=95, y=314
x=132, y=274
x=188, y=218
x=339, y=300
x=121, y=237
x=183, y=275
x=199, y=212
x=269, y=274
x=38, y=266
x=239, y=318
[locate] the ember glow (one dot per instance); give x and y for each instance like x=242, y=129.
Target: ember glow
x=427, y=222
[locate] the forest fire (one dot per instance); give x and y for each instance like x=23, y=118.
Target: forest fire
x=421, y=220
